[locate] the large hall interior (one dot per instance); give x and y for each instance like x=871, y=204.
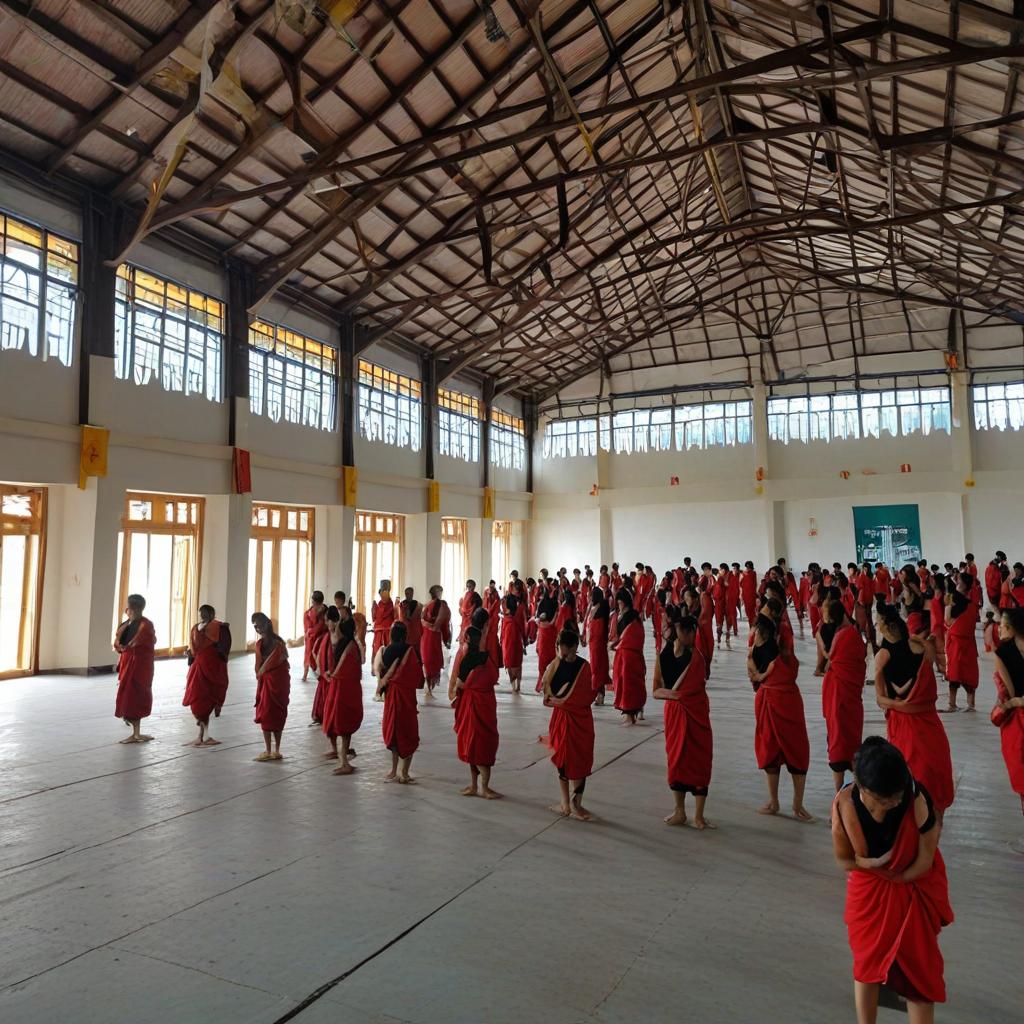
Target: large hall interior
x=611, y=410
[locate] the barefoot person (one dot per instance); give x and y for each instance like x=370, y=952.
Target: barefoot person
x=905, y=690
x=780, y=730
x=569, y=693
x=842, y=694
x=680, y=681
x=206, y=686
x=629, y=670
x=437, y=633
x=314, y=627
x=1008, y=714
x=885, y=834
x=134, y=642
x=471, y=692
x=343, y=700
x=400, y=673
x=273, y=685
x=513, y=638
x=961, y=644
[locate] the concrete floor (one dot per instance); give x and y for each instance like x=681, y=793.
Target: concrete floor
x=166, y=884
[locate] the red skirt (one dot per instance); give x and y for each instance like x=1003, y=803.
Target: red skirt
x=134, y=683
x=1011, y=738
x=780, y=730
x=689, y=744
x=922, y=740
x=272, y=694
x=343, y=705
x=400, y=725
x=476, y=727
x=431, y=653
x=206, y=686
x=629, y=677
x=571, y=737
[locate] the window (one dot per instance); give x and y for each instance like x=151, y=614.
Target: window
x=292, y=377
x=859, y=414
x=38, y=291
x=501, y=552
x=713, y=425
x=389, y=407
x=565, y=439
x=22, y=525
x=280, y=566
x=377, y=554
x=454, y=557
x=508, y=441
x=167, y=332
x=998, y=406
x=458, y=425
x=159, y=555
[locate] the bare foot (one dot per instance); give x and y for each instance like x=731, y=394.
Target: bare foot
x=970, y=707
x=468, y=791
x=132, y=739
x=768, y=808
x=490, y=794
x=561, y=809
x=194, y=743
x=211, y=743
x=277, y=756
x=676, y=818
x=390, y=777
x=343, y=769
x=143, y=738
x=802, y=814
x=581, y=814
x=406, y=780
x=948, y=711
x=265, y=756
x=702, y=824
x=331, y=755
x=428, y=693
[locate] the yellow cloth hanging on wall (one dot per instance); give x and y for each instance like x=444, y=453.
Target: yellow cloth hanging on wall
x=488, y=503
x=433, y=496
x=93, y=458
x=349, y=485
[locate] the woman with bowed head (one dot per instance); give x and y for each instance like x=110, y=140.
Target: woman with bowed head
x=629, y=670
x=273, y=685
x=885, y=835
x=471, y=692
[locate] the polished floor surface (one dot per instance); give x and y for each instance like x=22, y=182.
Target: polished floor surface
x=160, y=883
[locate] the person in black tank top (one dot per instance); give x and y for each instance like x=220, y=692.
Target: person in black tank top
x=1008, y=714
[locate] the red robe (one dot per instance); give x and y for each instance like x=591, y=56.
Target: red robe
x=320, y=659
x=629, y=670
x=706, y=631
x=598, y=644
x=466, y=608
x=435, y=613
x=566, y=614
x=547, y=648
x=921, y=738
x=732, y=600
x=842, y=695
x=135, y=671
x=400, y=724
x=689, y=743
x=962, y=649
x=513, y=638
x=571, y=729
x=314, y=627
x=476, y=716
x=894, y=926
x=343, y=703
x=937, y=613
x=273, y=687
x=719, y=590
x=793, y=593
x=1011, y=738
x=657, y=619
x=748, y=592
x=413, y=619
x=492, y=637
x=780, y=729
x=993, y=583
x=383, y=614
x=882, y=581
x=206, y=686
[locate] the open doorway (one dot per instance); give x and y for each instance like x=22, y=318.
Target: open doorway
x=22, y=532
x=377, y=555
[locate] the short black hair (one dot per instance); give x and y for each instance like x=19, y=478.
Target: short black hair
x=880, y=768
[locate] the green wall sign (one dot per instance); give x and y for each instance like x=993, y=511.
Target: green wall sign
x=887, y=533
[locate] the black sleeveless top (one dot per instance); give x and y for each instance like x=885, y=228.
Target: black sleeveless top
x=1010, y=656
x=392, y=653
x=827, y=632
x=470, y=661
x=902, y=666
x=764, y=654
x=339, y=648
x=565, y=675
x=128, y=634
x=880, y=836
x=671, y=666
x=548, y=607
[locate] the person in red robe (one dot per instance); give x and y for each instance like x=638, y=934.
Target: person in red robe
x=547, y=634
x=409, y=611
x=206, y=686
x=885, y=834
x=681, y=682
x=936, y=605
x=994, y=579
x=862, y=610
x=566, y=615
x=804, y=592
x=882, y=580
x=471, y=692
x=134, y=641
x=719, y=590
x=343, y=704
x=316, y=711
x=382, y=614
x=961, y=647
x=732, y=600
x=658, y=619
x=435, y=621
x=842, y=694
x=314, y=627
x=273, y=685
x=629, y=671
x=348, y=611
x=705, y=623
x=399, y=680
x=469, y=603
x=569, y=692
x=748, y=592
x=1013, y=588
x=905, y=691
x=513, y=639
x=599, y=622
x=1008, y=713
x=780, y=729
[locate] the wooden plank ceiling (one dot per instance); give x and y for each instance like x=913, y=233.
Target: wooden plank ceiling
x=536, y=190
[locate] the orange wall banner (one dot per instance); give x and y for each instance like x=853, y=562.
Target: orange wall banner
x=93, y=458
x=349, y=485
x=433, y=496
x=241, y=471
